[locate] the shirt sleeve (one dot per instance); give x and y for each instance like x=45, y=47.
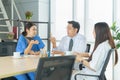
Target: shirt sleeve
x=21, y=45
x=61, y=44
x=41, y=44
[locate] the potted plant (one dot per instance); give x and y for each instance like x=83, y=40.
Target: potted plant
x=10, y=35
x=28, y=15
x=116, y=34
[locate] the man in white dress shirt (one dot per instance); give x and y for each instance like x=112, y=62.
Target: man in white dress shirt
x=78, y=40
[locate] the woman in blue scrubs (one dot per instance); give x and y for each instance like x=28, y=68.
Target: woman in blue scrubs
x=29, y=43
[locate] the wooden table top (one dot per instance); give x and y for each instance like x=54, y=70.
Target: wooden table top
x=10, y=66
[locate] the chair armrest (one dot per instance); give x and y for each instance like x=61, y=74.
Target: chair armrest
x=75, y=77
x=81, y=66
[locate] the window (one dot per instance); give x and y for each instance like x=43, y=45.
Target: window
x=80, y=14
x=63, y=15
x=97, y=11
x=118, y=12
x=117, y=19
x=87, y=13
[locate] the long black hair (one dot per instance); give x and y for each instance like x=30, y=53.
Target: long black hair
x=103, y=33
x=27, y=25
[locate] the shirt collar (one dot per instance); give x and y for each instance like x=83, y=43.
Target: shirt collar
x=73, y=37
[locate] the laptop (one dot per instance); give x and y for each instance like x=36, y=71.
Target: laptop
x=55, y=68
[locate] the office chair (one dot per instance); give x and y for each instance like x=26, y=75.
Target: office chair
x=88, y=48
x=55, y=68
x=81, y=66
x=102, y=74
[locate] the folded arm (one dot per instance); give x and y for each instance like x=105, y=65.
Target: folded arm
x=28, y=49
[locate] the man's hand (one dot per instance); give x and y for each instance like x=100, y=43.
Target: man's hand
x=57, y=52
x=53, y=41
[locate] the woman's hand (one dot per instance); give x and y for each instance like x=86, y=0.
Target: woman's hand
x=31, y=52
x=34, y=53
x=34, y=42
x=79, y=58
x=37, y=53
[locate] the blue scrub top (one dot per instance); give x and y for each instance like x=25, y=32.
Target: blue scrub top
x=23, y=43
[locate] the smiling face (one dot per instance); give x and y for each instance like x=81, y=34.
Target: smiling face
x=71, y=31
x=32, y=31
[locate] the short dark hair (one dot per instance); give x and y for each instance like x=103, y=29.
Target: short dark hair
x=75, y=25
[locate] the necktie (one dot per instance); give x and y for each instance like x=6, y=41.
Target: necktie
x=70, y=44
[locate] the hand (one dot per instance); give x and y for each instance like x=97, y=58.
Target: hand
x=34, y=42
x=79, y=58
x=34, y=53
x=75, y=53
x=37, y=53
x=57, y=52
x=53, y=40
x=31, y=52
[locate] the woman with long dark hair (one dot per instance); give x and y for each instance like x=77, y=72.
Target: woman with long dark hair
x=29, y=43
x=103, y=43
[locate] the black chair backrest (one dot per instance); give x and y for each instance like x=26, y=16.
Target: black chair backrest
x=88, y=48
x=7, y=48
x=105, y=64
x=55, y=68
